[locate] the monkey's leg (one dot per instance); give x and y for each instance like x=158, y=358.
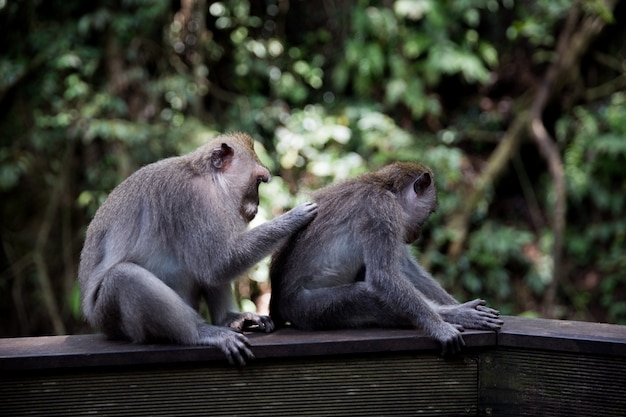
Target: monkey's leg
x=344, y=306
x=135, y=304
x=357, y=305
x=472, y=315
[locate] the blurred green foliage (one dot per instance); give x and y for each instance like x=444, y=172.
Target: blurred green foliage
x=90, y=91
x=594, y=163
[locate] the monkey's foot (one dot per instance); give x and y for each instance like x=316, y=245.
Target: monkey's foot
x=252, y=322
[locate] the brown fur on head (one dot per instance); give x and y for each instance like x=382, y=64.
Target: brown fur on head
x=414, y=185
x=398, y=175
x=227, y=159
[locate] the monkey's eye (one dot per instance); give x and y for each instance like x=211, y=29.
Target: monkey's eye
x=422, y=183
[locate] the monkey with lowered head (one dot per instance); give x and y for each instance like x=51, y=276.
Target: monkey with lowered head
x=351, y=266
x=173, y=233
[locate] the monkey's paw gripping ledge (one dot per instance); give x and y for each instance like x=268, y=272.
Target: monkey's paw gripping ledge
x=532, y=367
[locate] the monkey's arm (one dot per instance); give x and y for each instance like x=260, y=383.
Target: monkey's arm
x=472, y=315
x=383, y=262
x=250, y=247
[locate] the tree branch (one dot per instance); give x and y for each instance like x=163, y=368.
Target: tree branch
x=43, y=278
x=573, y=41
x=509, y=143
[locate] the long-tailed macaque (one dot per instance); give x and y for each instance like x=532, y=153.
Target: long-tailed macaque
x=175, y=232
x=351, y=266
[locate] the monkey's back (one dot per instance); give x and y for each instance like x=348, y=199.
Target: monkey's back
x=142, y=221
x=350, y=213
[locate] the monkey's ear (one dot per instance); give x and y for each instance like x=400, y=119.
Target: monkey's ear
x=221, y=156
x=422, y=183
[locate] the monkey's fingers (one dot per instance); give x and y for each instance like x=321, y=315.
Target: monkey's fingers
x=494, y=324
x=450, y=338
x=235, y=345
x=237, y=350
x=267, y=324
x=453, y=346
x=310, y=207
x=476, y=304
x=252, y=322
x=260, y=324
x=488, y=310
x=307, y=210
x=488, y=321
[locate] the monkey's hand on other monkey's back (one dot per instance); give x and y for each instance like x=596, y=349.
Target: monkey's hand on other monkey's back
x=251, y=322
x=300, y=215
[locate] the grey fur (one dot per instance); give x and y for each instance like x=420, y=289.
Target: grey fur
x=351, y=266
x=174, y=232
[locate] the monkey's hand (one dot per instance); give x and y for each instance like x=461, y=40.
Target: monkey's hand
x=252, y=322
x=301, y=214
x=472, y=315
x=235, y=346
x=450, y=338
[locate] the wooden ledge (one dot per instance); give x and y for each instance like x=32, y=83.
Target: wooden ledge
x=54, y=352
x=51, y=352
x=563, y=336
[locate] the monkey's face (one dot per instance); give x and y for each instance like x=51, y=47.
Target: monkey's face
x=419, y=200
x=250, y=202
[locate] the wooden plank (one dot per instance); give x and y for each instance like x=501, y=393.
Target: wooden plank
x=381, y=384
x=532, y=367
x=95, y=350
x=531, y=382
x=563, y=336
x=554, y=368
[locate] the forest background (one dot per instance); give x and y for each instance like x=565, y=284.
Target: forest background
x=517, y=106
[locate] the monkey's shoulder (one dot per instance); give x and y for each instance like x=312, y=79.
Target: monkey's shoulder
x=167, y=178
x=364, y=211
x=356, y=198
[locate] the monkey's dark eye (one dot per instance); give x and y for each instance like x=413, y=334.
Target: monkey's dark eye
x=422, y=183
